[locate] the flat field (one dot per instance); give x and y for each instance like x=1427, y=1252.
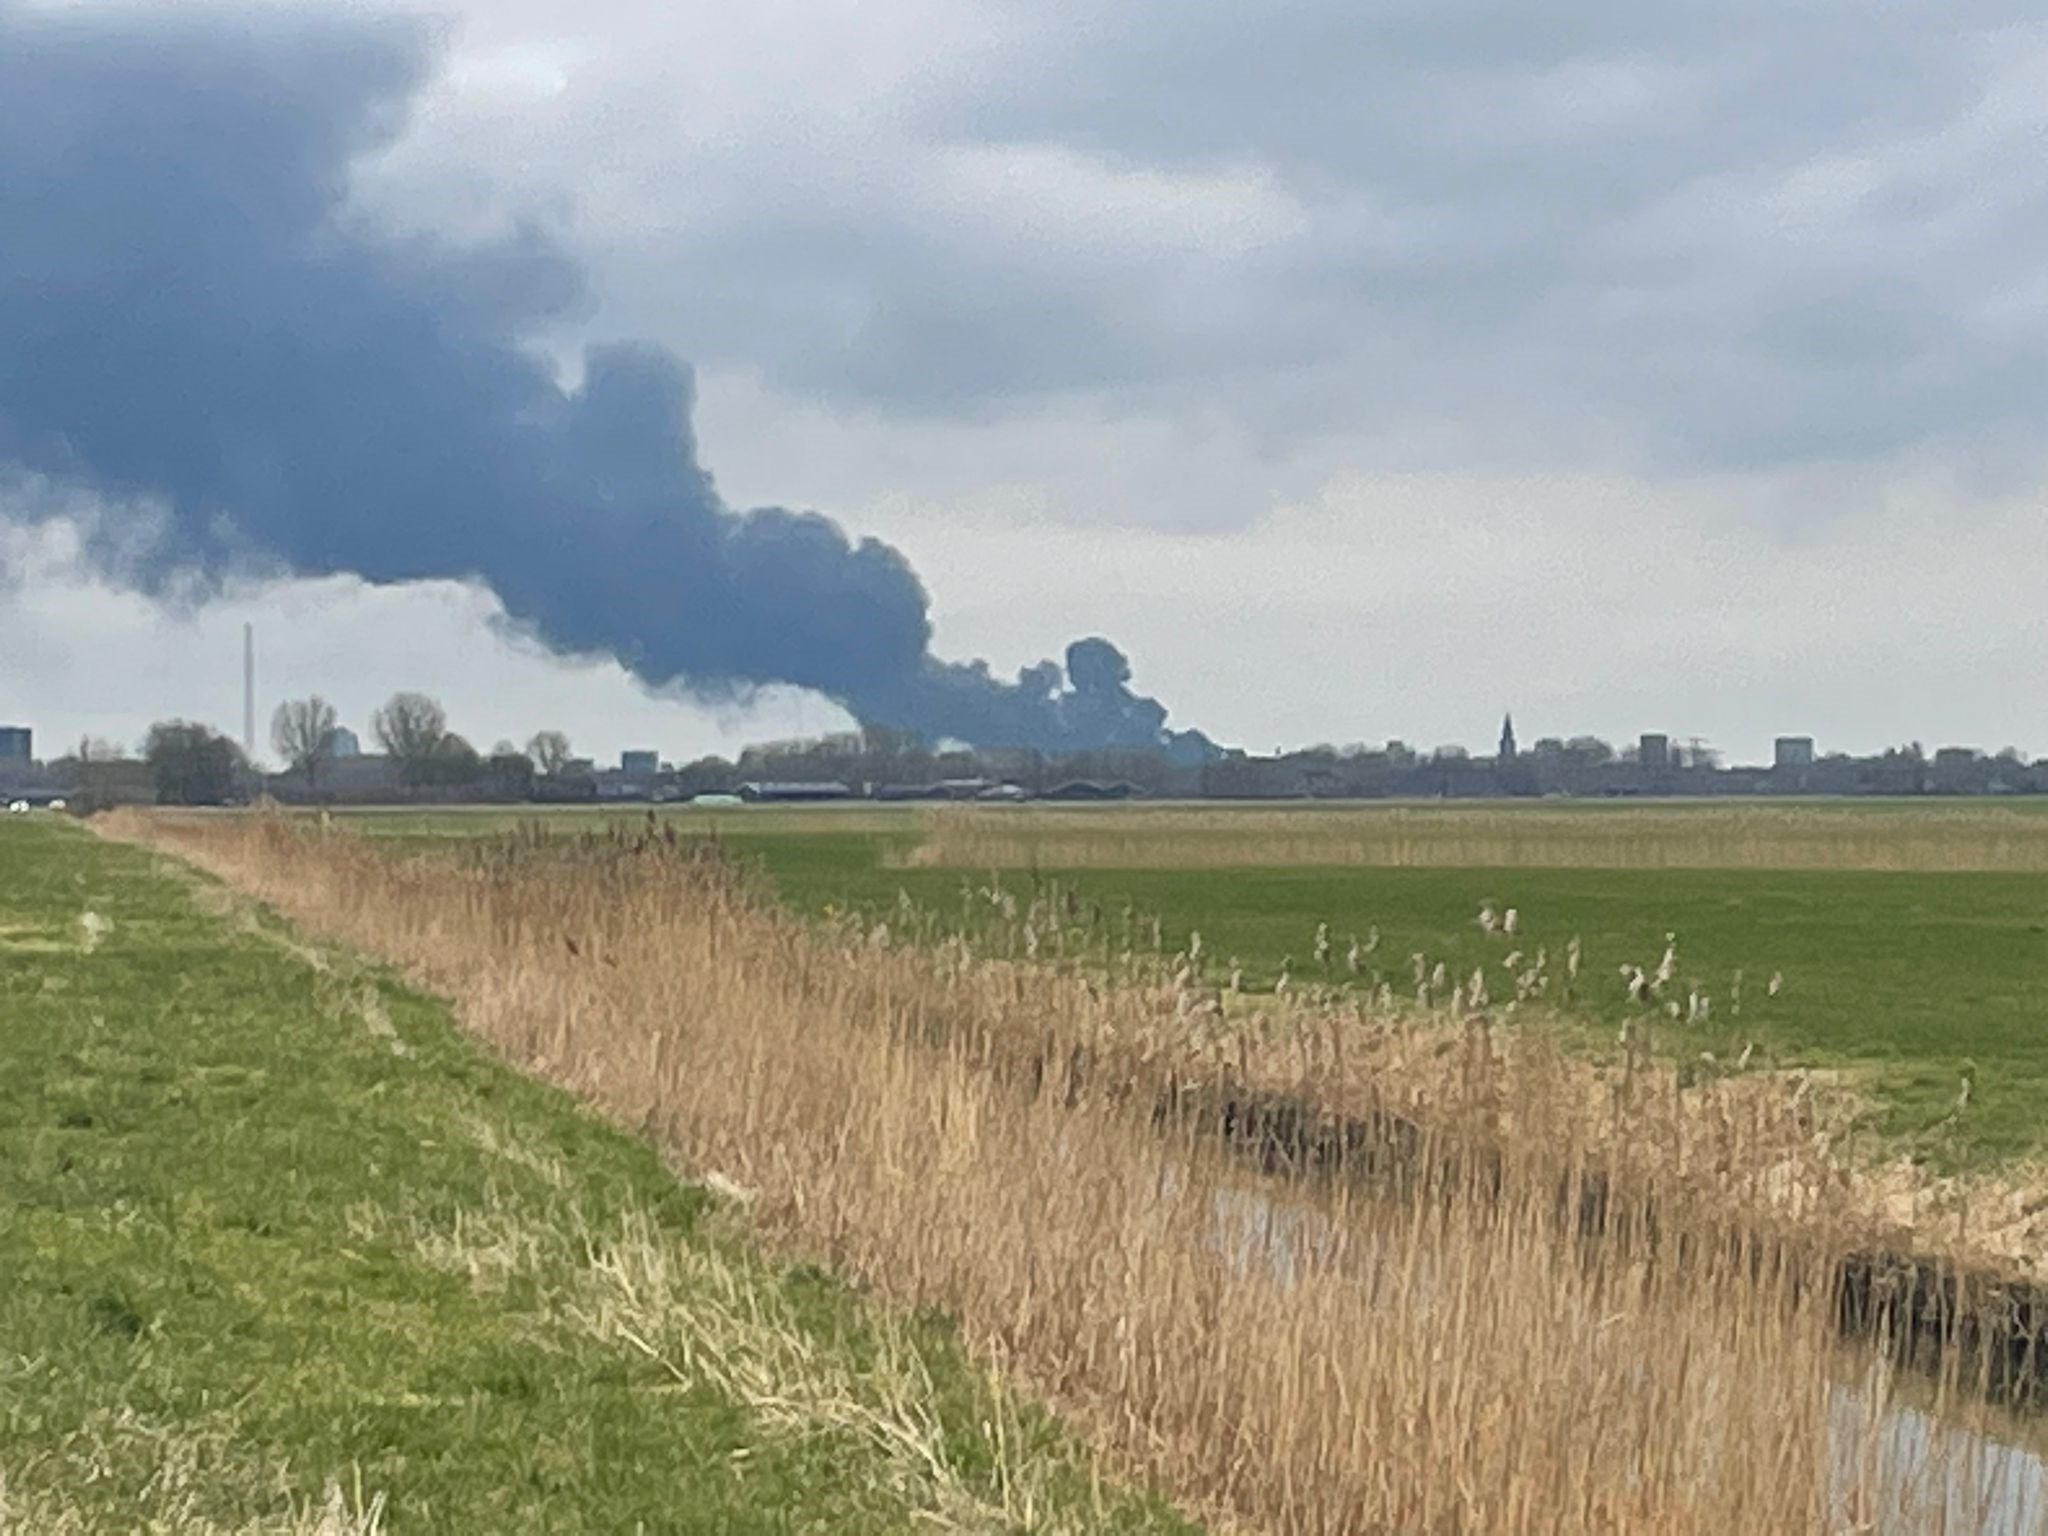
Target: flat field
x=1121, y=1192
x=1911, y=938
x=283, y=1250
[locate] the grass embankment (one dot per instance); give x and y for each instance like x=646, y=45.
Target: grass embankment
x=281, y=1249
x=1910, y=937
x=1054, y=1160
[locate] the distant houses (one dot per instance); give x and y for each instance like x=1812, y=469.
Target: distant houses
x=1792, y=752
x=881, y=766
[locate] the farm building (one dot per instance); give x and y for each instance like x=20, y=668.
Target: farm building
x=1091, y=789
x=786, y=793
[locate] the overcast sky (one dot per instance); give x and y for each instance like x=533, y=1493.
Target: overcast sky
x=1363, y=369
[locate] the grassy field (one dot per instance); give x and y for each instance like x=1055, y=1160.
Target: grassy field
x=1912, y=976
x=1063, y=1166
x=282, y=1250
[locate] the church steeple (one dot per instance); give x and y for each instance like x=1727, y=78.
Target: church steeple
x=1507, y=739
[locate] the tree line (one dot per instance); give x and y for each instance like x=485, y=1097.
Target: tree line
x=190, y=763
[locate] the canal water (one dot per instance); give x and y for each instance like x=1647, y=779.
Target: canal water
x=1930, y=1475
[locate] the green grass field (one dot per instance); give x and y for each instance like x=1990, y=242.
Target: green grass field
x=282, y=1250
x=1908, y=977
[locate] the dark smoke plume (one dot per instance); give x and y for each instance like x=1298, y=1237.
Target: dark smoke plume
x=189, y=311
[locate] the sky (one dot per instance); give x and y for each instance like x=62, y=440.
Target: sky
x=1364, y=370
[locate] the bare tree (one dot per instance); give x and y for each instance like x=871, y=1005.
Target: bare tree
x=411, y=727
x=550, y=752
x=302, y=733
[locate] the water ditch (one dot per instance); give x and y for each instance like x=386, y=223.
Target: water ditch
x=1984, y=1335
x=1895, y=1464
x=1927, y=1311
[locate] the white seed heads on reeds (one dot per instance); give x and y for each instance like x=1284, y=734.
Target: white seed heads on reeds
x=1511, y=924
x=1667, y=968
x=1322, y=944
x=1572, y=954
x=1777, y=983
x=1372, y=940
x=1351, y=957
x=1489, y=921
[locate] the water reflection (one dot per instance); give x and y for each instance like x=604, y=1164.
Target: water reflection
x=1928, y=1475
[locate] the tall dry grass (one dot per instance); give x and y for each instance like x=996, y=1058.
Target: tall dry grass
x=1716, y=836
x=1542, y=1306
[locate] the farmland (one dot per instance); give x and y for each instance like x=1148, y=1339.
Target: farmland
x=1912, y=940
x=970, y=1123
x=1115, y=1178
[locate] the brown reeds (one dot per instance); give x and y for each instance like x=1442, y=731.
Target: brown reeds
x=1719, y=835
x=1457, y=1286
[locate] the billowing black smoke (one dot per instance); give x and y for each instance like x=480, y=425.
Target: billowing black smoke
x=189, y=311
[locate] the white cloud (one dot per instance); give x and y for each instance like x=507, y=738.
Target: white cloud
x=1424, y=606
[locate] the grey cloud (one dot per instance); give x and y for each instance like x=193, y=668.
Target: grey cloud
x=1712, y=234
x=1530, y=167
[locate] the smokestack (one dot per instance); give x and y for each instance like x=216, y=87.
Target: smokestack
x=249, y=691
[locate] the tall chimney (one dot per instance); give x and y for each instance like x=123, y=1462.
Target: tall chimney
x=249, y=691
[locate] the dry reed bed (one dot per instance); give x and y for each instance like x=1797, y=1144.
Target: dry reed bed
x=1323, y=1356
x=1720, y=836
